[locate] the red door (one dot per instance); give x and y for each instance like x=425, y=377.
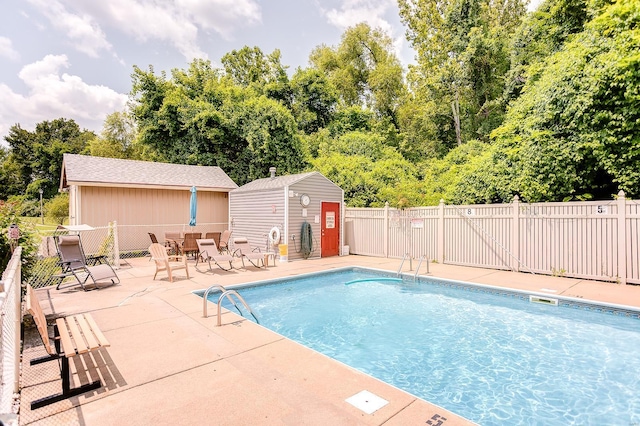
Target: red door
x=330, y=230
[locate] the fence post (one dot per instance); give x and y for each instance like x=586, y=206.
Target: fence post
x=622, y=237
x=515, y=234
x=440, y=249
x=116, y=245
x=386, y=230
x=17, y=321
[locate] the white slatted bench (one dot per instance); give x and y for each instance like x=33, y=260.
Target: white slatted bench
x=74, y=335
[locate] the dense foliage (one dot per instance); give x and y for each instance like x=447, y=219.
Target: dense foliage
x=10, y=213
x=500, y=102
x=57, y=208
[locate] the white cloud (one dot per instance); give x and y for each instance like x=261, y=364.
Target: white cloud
x=222, y=16
x=155, y=21
x=533, y=5
x=176, y=22
x=353, y=12
x=82, y=29
x=53, y=94
x=7, y=50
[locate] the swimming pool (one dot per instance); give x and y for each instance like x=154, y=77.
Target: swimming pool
x=484, y=353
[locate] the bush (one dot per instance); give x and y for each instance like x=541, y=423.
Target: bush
x=57, y=208
x=10, y=212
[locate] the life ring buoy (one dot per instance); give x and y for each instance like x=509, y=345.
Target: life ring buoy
x=274, y=235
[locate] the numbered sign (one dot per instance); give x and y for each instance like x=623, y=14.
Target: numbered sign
x=602, y=209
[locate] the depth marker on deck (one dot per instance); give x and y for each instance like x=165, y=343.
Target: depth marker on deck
x=367, y=402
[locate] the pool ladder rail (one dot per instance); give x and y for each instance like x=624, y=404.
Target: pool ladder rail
x=228, y=294
x=415, y=276
x=424, y=256
x=402, y=263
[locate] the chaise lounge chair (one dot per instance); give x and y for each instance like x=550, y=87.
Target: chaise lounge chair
x=224, y=242
x=208, y=251
x=243, y=250
x=74, y=263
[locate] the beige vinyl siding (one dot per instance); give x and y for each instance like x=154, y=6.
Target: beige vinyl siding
x=135, y=206
x=252, y=215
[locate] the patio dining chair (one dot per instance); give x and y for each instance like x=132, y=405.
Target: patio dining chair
x=189, y=244
x=154, y=239
x=215, y=236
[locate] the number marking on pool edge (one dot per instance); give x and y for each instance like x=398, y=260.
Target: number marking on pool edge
x=439, y=420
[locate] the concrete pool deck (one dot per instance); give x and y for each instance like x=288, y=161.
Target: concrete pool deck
x=167, y=364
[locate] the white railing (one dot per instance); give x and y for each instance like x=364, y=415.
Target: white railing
x=592, y=239
x=10, y=318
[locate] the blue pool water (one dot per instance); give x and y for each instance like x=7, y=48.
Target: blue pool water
x=496, y=360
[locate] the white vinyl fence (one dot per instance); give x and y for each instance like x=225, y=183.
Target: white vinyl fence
x=597, y=240
x=10, y=319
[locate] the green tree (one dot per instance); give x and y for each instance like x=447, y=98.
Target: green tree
x=364, y=70
x=351, y=119
x=117, y=139
x=462, y=55
x=20, y=158
x=270, y=134
x=573, y=133
x=541, y=34
x=11, y=182
x=369, y=172
x=423, y=126
x=37, y=155
x=10, y=214
x=475, y=172
x=57, y=208
x=201, y=117
x=251, y=68
x=314, y=100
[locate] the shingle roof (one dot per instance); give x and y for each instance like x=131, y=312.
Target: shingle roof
x=90, y=170
x=274, y=183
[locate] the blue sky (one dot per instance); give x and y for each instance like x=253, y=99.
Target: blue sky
x=74, y=58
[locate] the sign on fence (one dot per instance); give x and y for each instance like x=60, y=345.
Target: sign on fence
x=417, y=223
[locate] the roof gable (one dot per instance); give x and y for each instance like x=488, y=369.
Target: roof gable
x=100, y=171
x=277, y=182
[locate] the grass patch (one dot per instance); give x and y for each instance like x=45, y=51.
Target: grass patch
x=36, y=222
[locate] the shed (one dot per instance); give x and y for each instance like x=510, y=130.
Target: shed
x=136, y=193
x=285, y=203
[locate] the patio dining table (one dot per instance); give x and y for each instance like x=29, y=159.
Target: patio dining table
x=175, y=240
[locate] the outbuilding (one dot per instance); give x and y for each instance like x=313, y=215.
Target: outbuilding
x=143, y=196
x=299, y=216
